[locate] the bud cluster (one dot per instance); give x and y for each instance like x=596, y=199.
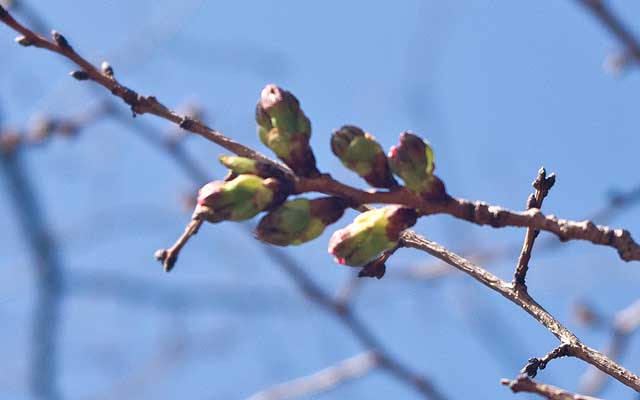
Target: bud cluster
x=254, y=186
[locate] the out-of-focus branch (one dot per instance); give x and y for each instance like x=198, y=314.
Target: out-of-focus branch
x=47, y=264
x=323, y=380
x=43, y=381
x=344, y=313
x=607, y=17
x=625, y=323
x=524, y=384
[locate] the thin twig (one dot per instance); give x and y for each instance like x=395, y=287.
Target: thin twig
x=169, y=256
x=541, y=184
x=535, y=364
x=524, y=384
x=322, y=380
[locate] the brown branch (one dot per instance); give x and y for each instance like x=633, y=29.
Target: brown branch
x=522, y=299
x=524, y=384
x=615, y=204
x=541, y=184
x=139, y=104
x=626, y=322
x=606, y=16
x=169, y=256
x=323, y=380
x=476, y=212
x=535, y=364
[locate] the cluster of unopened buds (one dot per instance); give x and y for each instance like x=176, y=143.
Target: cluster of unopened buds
x=253, y=187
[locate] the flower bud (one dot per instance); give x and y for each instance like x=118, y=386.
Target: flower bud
x=360, y=152
x=370, y=234
x=412, y=160
x=238, y=199
x=285, y=129
x=300, y=221
x=243, y=165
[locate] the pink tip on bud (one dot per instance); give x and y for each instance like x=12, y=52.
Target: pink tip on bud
x=393, y=151
x=340, y=261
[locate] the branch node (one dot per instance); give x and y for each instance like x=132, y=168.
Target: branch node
x=535, y=364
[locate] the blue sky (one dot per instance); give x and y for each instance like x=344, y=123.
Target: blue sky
x=499, y=88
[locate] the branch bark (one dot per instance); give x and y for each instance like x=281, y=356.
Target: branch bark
x=522, y=299
x=524, y=384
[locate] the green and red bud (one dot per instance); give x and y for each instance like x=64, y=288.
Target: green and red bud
x=300, y=221
x=413, y=161
x=361, y=153
x=285, y=129
x=238, y=199
x=370, y=234
x=243, y=165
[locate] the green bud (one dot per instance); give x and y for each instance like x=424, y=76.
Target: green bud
x=412, y=160
x=285, y=129
x=300, y=221
x=243, y=165
x=370, y=234
x=361, y=153
x=238, y=199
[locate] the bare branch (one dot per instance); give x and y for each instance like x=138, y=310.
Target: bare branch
x=606, y=16
x=139, y=104
x=523, y=300
x=169, y=256
x=323, y=380
x=535, y=364
x=48, y=272
x=524, y=384
x=541, y=184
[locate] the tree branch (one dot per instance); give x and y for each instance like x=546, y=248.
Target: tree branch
x=606, y=16
x=48, y=274
x=476, y=212
x=524, y=384
x=522, y=299
x=323, y=380
x=626, y=322
x=541, y=184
